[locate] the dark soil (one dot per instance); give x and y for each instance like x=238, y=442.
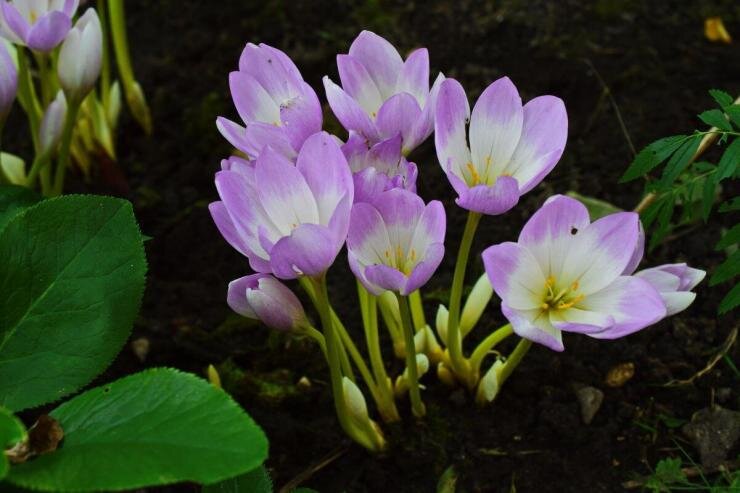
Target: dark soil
x=658, y=67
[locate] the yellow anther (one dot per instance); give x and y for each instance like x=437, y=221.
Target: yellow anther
x=574, y=286
x=412, y=254
x=473, y=173
x=550, y=282
x=387, y=254
x=545, y=306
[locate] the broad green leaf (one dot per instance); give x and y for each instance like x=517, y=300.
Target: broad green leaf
x=721, y=97
x=729, y=161
x=596, y=208
x=731, y=237
x=730, y=301
x=13, y=200
x=727, y=269
x=716, y=118
x=157, y=427
x=652, y=155
x=12, y=431
x=72, y=278
x=709, y=194
x=256, y=481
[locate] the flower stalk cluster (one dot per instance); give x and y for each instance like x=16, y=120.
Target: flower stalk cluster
x=295, y=196
x=57, y=64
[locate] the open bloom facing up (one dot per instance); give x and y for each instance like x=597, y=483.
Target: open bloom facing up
x=381, y=95
x=289, y=220
x=81, y=57
x=278, y=107
x=39, y=24
x=263, y=297
x=397, y=243
x=378, y=168
x=512, y=148
x=674, y=282
x=565, y=274
x=8, y=82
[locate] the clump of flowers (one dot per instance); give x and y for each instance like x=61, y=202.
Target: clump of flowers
x=297, y=195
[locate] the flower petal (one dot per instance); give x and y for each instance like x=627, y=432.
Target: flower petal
x=270, y=73
x=381, y=60
x=414, y=76
x=236, y=296
x=492, y=200
x=577, y=320
x=637, y=254
x=14, y=21
x=226, y=227
x=424, y=270
x=544, y=132
x=48, y=31
x=398, y=115
x=348, y=111
x=252, y=102
x=401, y=211
x=368, y=238
x=232, y=132
x=424, y=125
x=535, y=326
x=386, y=277
x=259, y=135
x=451, y=114
x=356, y=82
x=515, y=275
x=309, y=250
x=495, y=127
x=301, y=116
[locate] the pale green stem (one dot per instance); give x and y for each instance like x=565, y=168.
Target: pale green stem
x=480, y=352
x=39, y=163
x=28, y=98
x=45, y=78
x=390, y=322
x=64, y=148
x=417, y=406
x=318, y=337
x=454, y=340
x=417, y=310
x=105, y=70
x=513, y=360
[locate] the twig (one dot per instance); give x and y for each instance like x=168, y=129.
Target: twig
x=726, y=346
x=689, y=472
x=306, y=474
x=618, y=113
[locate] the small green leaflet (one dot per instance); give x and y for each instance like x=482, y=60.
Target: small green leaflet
x=12, y=431
x=731, y=237
x=652, y=155
x=72, y=278
x=729, y=162
x=727, y=269
x=721, y=97
x=156, y=427
x=716, y=118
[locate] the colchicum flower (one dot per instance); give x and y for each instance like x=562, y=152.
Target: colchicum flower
x=674, y=282
x=52, y=124
x=381, y=95
x=264, y=298
x=396, y=243
x=289, y=220
x=80, y=57
x=39, y=24
x=512, y=148
x=566, y=274
x=8, y=82
x=278, y=107
x=378, y=168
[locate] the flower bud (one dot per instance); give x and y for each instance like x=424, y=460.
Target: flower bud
x=81, y=56
x=263, y=297
x=441, y=323
x=354, y=400
x=402, y=382
x=445, y=375
x=476, y=303
x=52, y=124
x=426, y=343
x=489, y=385
x=8, y=82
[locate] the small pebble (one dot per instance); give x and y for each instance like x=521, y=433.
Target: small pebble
x=620, y=374
x=590, y=399
x=140, y=347
x=713, y=431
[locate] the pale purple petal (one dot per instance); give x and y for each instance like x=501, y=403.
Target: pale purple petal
x=14, y=20
x=515, y=275
x=689, y=276
x=236, y=296
x=424, y=270
x=578, y=320
x=226, y=227
x=430, y=227
x=535, y=326
x=356, y=82
x=633, y=303
x=398, y=114
x=369, y=183
x=400, y=210
x=301, y=116
x=233, y=133
x=70, y=7
x=348, y=111
x=414, y=77
x=48, y=31
x=637, y=254
x=493, y=200
x=451, y=115
x=386, y=277
x=380, y=58
x=495, y=127
x=259, y=135
x=368, y=238
x=358, y=269
x=309, y=250
x=275, y=304
x=339, y=222
x=678, y=301
x=269, y=72
x=8, y=82
x=424, y=125
x=544, y=133
x=253, y=103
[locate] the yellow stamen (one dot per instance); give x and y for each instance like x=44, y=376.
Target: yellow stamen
x=473, y=173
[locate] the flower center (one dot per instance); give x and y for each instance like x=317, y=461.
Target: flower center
x=401, y=260
x=560, y=299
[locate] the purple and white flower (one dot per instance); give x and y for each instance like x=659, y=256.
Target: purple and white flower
x=264, y=298
x=289, y=220
x=39, y=24
x=382, y=95
x=396, y=243
x=674, y=282
x=512, y=147
x=278, y=107
x=8, y=82
x=81, y=57
x=566, y=274
x=52, y=124
x=378, y=168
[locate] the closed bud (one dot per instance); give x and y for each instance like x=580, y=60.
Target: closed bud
x=80, y=57
x=441, y=323
x=445, y=375
x=476, y=303
x=263, y=297
x=52, y=124
x=489, y=385
x=8, y=82
x=354, y=400
x=137, y=103
x=402, y=382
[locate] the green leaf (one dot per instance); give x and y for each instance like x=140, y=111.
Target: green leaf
x=668, y=471
x=12, y=431
x=73, y=268
x=664, y=223
x=733, y=112
x=256, y=481
x=709, y=194
x=727, y=269
x=716, y=118
x=596, y=208
x=730, y=301
x=652, y=155
x=679, y=161
x=729, y=161
x=721, y=97
x=13, y=200
x=731, y=237
x=156, y=427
